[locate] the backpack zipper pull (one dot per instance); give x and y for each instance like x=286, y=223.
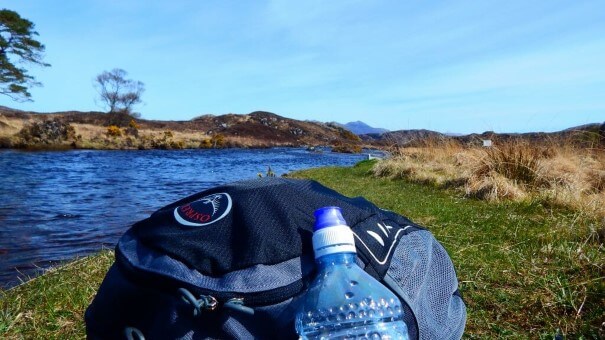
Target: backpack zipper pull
x=237, y=304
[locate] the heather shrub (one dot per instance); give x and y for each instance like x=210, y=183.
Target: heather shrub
x=51, y=131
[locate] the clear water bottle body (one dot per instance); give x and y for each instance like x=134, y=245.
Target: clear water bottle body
x=344, y=302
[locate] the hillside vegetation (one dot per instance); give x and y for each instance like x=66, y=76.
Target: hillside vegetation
x=259, y=129
x=95, y=130
x=588, y=135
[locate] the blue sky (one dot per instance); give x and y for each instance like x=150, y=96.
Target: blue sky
x=448, y=66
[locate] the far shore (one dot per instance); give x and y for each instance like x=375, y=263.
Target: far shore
x=370, y=150
x=121, y=131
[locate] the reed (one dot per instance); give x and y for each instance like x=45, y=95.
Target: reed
x=552, y=173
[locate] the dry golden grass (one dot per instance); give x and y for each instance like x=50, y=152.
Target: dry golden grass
x=91, y=132
x=565, y=175
x=436, y=165
x=91, y=136
x=88, y=131
x=249, y=142
x=10, y=126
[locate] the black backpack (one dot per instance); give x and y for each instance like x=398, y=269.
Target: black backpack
x=233, y=262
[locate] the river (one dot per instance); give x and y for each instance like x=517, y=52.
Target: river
x=56, y=206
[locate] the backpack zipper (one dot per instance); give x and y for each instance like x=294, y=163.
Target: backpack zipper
x=262, y=298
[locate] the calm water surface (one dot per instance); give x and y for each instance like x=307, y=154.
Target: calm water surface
x=55, y=206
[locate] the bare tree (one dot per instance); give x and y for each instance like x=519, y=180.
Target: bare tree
x=118, y=93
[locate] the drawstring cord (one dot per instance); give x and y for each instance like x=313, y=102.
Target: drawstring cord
x=207, y=302
x=132, y=333
x=238, y=305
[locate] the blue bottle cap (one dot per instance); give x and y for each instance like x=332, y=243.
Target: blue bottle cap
x=328, y=217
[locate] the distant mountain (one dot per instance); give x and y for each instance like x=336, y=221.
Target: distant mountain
x=402, y=137
x=361, y=128
x=588, y=133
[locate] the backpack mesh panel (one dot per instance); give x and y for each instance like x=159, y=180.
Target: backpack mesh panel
x=427, y=280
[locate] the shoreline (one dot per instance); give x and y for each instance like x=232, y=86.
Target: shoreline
x=311, y=149
x=117, y=131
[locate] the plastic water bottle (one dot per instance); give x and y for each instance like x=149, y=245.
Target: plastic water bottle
x=343, y=301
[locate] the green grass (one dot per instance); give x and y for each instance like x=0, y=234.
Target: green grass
x=52, y=306
x=525, y=270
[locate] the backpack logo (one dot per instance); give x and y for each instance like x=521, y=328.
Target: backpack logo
x=204, y=211
x=381, y=242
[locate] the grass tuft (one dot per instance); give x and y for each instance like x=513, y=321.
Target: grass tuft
x=51, y=306
x=566, y=175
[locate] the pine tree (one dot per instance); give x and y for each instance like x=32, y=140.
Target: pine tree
x=18, y=47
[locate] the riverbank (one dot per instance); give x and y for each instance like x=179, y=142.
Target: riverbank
x=51, y=306
x=120, y=131
x=526, y=270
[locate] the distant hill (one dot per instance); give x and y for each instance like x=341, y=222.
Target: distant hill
x=271, y=128
x=594, y=127
x=587, y=133
x=361, y=128
x=256, y=129
x=401, y=137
